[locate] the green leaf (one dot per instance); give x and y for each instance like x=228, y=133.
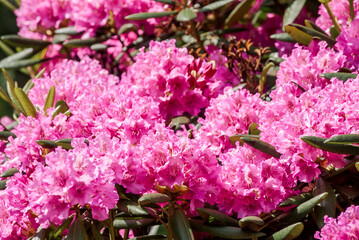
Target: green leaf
x=147, y=15
x=301, y=211
x=291, y=232
x=153, y=198
x=126, y=28
x=132, y=208
x=284, y=37
x=50, y=99
x=61, y=107
x=129, y=223
x=6, y=49
x=99, y=47
x=47, y=143
x=63, y=226
x=298, y=35
x=312, y=25
x=149, y=237
x=75, y=43
x=252, y=223
x=224, y=219
x=9, y=173
x=351, y=7
x=26, y=53
x=261, y=146
x=314, y=33
x=64, y=143
x=253, y=128
x=166, y=1
x=67, y=31
x=226, y=232
x=96, y=233
x=29, y=85
x=296, y=200
x=4, y=135
x=215, y=5
x=3, y=184
x=60, y=38
x=319, y=142
x=178, y=225
x=17, y=41
x=77, y=231
x=357, y=166
x=334, y=32
x=292, y=12
x=327, y=206
x=11, y=91
x=339, y=75
x=344, y=138
x=186, y=15
x=238, y=12
x=21, y=63
x=25, y=102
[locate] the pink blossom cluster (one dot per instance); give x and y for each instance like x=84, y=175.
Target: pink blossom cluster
x=174, y=79
x=346, y=226
x=35, y=17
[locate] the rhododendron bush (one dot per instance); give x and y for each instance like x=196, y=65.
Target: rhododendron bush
x=171, y=119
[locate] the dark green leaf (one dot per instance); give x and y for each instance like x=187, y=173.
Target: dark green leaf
x=178, y=225
x=261, y=146
x=215, y=5
x=64, y=143
x=129, y=223
x=147, y=15
x=166, y=1
x=291, y=232
x=327, y=206
x=296, y=200
x=128, y=27
x=96, y=233
x=17, y=41
x=344, y=138
x=339, y=75
x=314, y=33
x=63, y=226
x=50, y=99
x=149, y=237
x=186, y=15
x=319, y=142
x=3, y=184
x=77, y=231
x=351, y=7
x=25, y=102
x=284, y=37
x=4, y=96
x=61, y=107
x=312, y=25
x=357, y=166
x=252, y=223
x=47, y=143
x=239, y=11
x=75, y=43
x=9, y=173
x=153, y=198
x=21, y=63
x=292, y=12
x=67, y=31
x=224, y=219
x=226, y=232
x=334, y=33
x=253, y=128
x=4, y=135
x=132, y=208
x=26, y=53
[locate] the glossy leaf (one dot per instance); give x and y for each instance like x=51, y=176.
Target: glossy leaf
x=21, y=63
x=153, y=198
x=9, y=173
x=149, y=237
x=226, y=232
x=63, y=226
x=25, y=102
x=132, y=208
x=327, y=206
x=261, y=146
x=215, y=5
x=50, y=99
x=147, y=15
x=67, y=30
x=3, y=184
x=186, y=15
x=4, y=135
x=17, y=41
x=284, y=37
x=129, y=223
x=339, y=75
x=77, y=231
x=61, y=107
x=298, y=35
x=344, y=138
x=291, y=232
x=64, y=143
x=314, y=33
x=252, y=223
x=292, y=12
x=75, y=43
x=47, y=143
x=312, y=25
x=296, y=200
x=319, y=142
x=26, y=53
x=178, y=225
x=224, y=219
x=238, y=12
